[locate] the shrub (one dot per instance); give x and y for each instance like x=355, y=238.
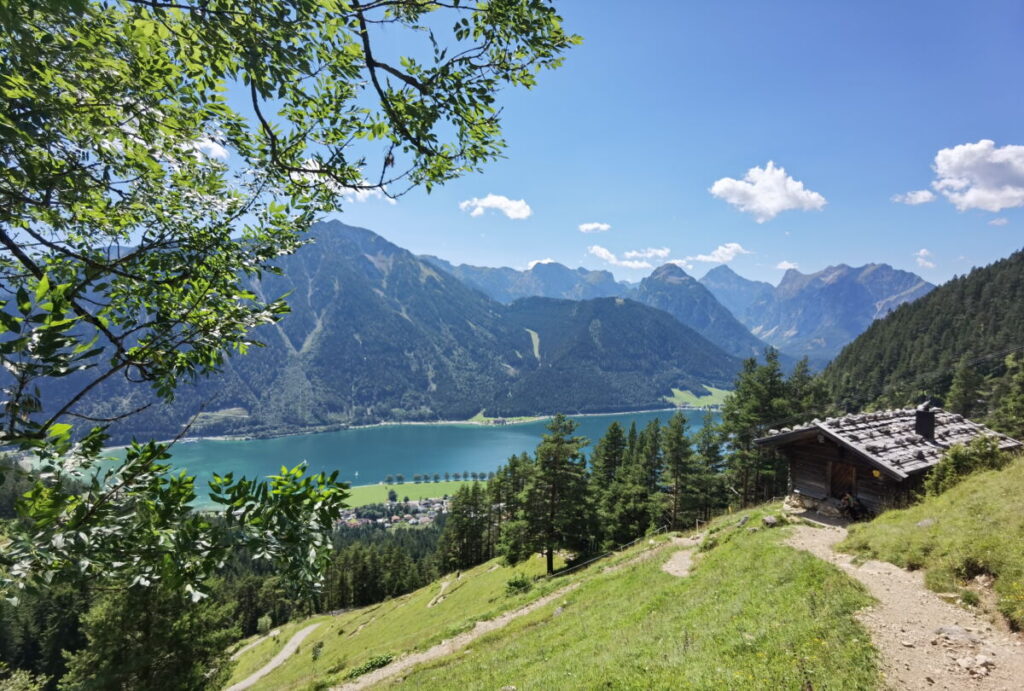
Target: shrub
x=961, y=460
x=375, y=662
x=518, y=584
x=263, y=624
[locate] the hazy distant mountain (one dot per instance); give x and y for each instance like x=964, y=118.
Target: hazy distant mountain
x=550, y=280
x=671, y=289
x=816, y=314
x=736, y=293
x=377, y=334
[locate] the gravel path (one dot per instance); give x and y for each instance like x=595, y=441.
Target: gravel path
x=679, y=563
x=924, y=641
x=287, y=651
x=440, y=595
x=448, y=647
x=252, y=644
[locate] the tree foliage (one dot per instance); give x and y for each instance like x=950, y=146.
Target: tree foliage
x=973, y=321
x=158, y=158
x=981, y=453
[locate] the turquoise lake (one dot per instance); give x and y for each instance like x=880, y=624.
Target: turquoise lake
x=367, y=455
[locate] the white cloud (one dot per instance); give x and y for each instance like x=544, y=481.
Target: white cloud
x=361, y=194
x=516, y=209
x=981, y=176
x=914, y=198
x=723, y=254
x=922, y=257
x=786, y=265
x=766, y=192
x=649, y=253
x=594, y=227
x=535, y=262
x=609, y=256
x=210, y=149
x=362, y=190
x=681, y=263
x=999, y=221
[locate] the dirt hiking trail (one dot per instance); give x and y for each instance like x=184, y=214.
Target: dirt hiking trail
x=924, y=641
x=450, y=646
x=287, y=651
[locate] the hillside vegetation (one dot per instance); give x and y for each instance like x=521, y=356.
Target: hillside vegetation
x=752, y=614
x=976, y=527
x=376, y=334
x=972, y=320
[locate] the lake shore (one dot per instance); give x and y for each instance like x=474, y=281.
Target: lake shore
x=486, y=422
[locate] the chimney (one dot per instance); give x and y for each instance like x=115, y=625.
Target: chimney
x=924, y=421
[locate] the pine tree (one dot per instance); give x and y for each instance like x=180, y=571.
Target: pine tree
x=760, y=398
x=1009, y=405
x=707, y=444
x=608, y=457
x=680, y=467
x=650, y=456
x=964, y=395
x=555, y=507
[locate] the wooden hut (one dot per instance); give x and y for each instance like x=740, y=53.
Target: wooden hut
x=875, y=457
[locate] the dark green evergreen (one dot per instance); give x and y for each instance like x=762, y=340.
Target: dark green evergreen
x=913, y=353
x=555, y=508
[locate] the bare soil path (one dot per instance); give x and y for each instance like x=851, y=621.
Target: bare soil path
x=287, y=651
x=440, y=595
x=924, y=641
x=679, y=563
x=450, y=646
x=252, y=644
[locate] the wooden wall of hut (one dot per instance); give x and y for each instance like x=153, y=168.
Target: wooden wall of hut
x=811, y=468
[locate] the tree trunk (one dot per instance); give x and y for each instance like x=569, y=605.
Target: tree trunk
x=551, y=560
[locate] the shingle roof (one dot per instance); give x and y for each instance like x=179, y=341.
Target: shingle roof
x=888, y=437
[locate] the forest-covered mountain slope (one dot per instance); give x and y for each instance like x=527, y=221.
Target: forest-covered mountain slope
x=377, y=334
x=671, y=289
x=914, y=352
x=817, y=314
x=608, y=353
x=668, y=288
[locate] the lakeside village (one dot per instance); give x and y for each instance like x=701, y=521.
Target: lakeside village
x=392, y=513
x=399, y=509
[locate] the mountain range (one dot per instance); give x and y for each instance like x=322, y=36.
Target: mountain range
x=973, y=321
x=544, y=279
x=815, y=315
x=668, y=288
x=811, y=315
x=377, y=334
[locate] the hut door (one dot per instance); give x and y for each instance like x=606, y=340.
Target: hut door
x=842, y=479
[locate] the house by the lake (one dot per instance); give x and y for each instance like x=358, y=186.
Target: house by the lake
x=876, y=457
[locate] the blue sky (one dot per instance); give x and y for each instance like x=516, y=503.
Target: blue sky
x=667, y=98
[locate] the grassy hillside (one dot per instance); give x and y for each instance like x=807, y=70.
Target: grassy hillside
x=974, y=528
x=752, y=614
x=396, y=626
